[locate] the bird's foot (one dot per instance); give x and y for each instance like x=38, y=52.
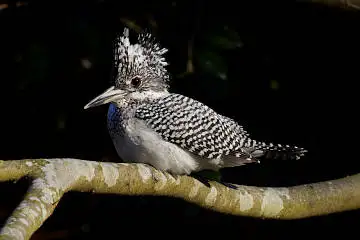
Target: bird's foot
x=202, y=179
x=229, y=185
x=206, y=181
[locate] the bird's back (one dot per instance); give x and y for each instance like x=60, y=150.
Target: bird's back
x=192, y=125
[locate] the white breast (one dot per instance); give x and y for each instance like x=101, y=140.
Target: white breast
x=141, y=144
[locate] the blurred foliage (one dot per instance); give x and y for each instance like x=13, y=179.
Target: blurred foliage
x=210, y=54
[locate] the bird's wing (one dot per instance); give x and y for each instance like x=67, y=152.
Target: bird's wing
x=193, y=126
x=235, y=127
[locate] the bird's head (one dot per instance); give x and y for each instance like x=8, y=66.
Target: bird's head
x=139, y=71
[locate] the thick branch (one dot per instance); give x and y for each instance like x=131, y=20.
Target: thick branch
x=54, y=177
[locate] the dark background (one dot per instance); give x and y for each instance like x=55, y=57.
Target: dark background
x=286, y=70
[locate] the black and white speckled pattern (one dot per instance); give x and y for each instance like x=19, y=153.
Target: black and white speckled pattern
x=194, y=126
x=199, y=129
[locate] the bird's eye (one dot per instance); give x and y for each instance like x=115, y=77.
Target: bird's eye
x=135, y=82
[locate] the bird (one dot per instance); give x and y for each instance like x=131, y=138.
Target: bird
x=170, y=131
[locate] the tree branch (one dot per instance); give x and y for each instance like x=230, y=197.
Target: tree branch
x=346, y=4
x=51, y=178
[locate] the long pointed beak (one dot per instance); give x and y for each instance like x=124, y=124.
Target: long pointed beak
x=109, y=95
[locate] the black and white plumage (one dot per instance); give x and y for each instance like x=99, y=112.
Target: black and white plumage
x=170, y=131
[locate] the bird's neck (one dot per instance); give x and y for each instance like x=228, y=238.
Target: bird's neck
x=148, y=95
x=118, y=117
x=124, y=109
x=138, y=98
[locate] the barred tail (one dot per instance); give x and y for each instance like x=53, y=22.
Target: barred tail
x=278, y=151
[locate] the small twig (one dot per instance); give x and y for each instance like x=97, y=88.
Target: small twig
x=350, y=3
x=346, y=4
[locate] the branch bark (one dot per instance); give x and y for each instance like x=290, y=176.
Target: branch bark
x=52, y=178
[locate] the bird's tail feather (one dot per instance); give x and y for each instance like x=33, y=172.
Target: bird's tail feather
x=277, y=151
x=253, y=151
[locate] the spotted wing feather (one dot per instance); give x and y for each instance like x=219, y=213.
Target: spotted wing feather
x=193, y=126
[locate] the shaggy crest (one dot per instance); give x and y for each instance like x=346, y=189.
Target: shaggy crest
x=143, y=58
